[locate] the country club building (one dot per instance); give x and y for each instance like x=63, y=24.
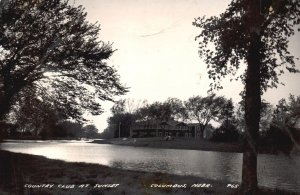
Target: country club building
x=170, y=128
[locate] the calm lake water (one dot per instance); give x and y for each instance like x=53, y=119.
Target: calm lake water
x=275, y=171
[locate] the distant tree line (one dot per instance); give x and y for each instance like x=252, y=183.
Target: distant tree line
x=279, y=125
x=63, y=129
x=202, y=110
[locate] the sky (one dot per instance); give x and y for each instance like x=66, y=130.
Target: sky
x=157, y=55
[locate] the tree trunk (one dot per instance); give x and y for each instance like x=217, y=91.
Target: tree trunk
x=6, y=98
x=4, y=109
x=252, y=117
x=8, y=90
x=252, y=98
x=5, y=104
x=202, y=131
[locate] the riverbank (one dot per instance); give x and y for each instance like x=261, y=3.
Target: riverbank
x=28, y=174
x=190, y=144
x=178, y=143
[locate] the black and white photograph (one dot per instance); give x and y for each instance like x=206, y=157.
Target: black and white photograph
x=149, y=97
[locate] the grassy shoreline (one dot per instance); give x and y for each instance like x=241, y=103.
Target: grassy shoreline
x=178, y=143
x=17, y=170
x=191, y=144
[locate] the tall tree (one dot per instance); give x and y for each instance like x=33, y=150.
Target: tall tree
x=50, y=46
x=120, y=124
x=156, y=111
x=266, y=111
x=124, y=115
x=206, y=109
x=256, y=33
x=127, y=106
x=286, y=117
x=227, y=117
x=90, y=131
x=227, y=131
x=178, y=110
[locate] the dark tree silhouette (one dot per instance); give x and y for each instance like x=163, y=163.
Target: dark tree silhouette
x=286, y=118
x=266, y=110
x=228, y=129
x=65, y=129
x=257, y=34
x=178, y=110
x=206, y=109
x=155, y=112
x=33, y=115
x=123, y=117
x=120, y=124
x=90, y=131
x=287, y=112
x=49, y=46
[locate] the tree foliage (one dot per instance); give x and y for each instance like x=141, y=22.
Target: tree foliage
x=287, y=112
x=157, y=111
x=244, y=34
x=65, y=129
x=127, y=112
x=50, y=46
x=178, y=109
x=228, y=131
x=127, y=106
x=124, y=114
x=230, y=34
x=171, y=109
x=286, y=118
x=90, y=131
x=31, y=114
x=207, y=109
x=203, y=109
x=266, y=116
x=121, y=122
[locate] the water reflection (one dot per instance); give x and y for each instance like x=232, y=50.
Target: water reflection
x=273, y=171
x=279, y=170
x=229, y=166
x=151, y=166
